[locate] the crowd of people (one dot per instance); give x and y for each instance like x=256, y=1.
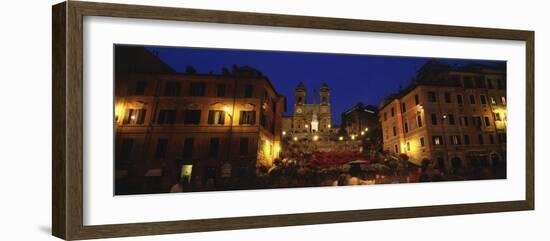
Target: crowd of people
x=290, y=173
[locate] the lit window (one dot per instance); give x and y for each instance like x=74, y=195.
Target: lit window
x=216, y=117
x=493, y=100
x=497, y=116
x=437, y=140
x=135, y=116
x=455, y=140
x=248, y=118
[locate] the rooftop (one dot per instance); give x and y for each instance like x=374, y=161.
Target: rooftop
x=435, y=73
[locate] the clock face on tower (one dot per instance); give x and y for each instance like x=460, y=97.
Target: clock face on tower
x=299, y=110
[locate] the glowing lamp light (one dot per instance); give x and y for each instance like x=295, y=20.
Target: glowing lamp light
x=307, y=126
x=366, y=129
x=329, y=126
x=118, y=110
x=362, y=133
x=284, y=133
x=132, y=117
x=295, y=138
x=353, y=137
x=315, y=138
x=226, y=109
x=341, y=138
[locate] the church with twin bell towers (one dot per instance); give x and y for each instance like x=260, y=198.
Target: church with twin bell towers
x=310, y=121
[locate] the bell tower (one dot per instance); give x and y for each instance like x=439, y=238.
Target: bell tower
x=324, y=106
x=300, y=95
x=324, y=94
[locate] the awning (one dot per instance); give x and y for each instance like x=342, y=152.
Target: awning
x=154, y=173
x=477, y=154
x=121, y=174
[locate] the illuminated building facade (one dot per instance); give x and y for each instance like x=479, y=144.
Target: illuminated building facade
x=206, y=128
x=361, y=121
x=455, y=117
x=310, y=124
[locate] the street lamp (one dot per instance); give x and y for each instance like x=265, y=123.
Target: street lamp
x=227, y=110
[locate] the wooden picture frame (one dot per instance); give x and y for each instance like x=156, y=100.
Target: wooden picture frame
x=67, y=76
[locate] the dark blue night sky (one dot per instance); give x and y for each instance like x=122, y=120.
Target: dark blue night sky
x=351, y=78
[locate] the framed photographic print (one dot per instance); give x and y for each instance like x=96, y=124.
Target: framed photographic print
x=250, y=120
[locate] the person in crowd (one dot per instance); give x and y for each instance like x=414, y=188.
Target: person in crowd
x=342, y=179
x=178, y=187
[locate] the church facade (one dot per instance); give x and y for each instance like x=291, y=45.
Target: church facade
x=310, y=118
x=310, y=125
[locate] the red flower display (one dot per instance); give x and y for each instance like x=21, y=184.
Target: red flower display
x=333, y=158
